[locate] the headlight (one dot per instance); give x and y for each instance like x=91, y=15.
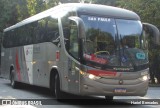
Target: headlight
x=90, y=76
x=93, y=77
x=144, y=78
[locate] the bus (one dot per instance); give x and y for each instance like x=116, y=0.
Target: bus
x=83, y=49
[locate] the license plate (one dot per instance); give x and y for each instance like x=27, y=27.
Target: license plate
x=120, y=90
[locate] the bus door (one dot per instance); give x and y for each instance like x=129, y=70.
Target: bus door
x=72, y=63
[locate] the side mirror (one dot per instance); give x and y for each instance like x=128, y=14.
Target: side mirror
x=153, y=32
x=81, y=34
x=80, y=25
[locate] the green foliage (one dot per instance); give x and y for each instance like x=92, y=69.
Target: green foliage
x=51, y=3
x=22, y=10
x=105, y=2
x=8, y=13
x=31, y=4
x=13, y=11
x=148, y=10
x=35, y=6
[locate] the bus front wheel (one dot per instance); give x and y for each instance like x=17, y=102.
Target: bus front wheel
x=58, y=92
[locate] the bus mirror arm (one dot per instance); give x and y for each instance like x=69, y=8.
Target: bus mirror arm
x=56, y=41
x=152, y=32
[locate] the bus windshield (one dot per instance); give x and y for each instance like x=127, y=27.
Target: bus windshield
x=113, y=43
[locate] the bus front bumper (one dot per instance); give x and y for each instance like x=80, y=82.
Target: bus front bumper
x=113, y=87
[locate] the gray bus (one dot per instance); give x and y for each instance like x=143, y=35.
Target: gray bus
x=83, y=49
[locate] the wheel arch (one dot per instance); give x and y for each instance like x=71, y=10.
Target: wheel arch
x=53, y=72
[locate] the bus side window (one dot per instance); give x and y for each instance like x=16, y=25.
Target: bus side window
x=73, y=38
x=41, y=29
x=52, y=29
x=47, y=30
x=7, y=43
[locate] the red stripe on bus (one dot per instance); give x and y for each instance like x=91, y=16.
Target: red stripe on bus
x=102, y=73
x=18, y=67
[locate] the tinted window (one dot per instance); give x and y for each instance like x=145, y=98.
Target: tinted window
x=73, y=40
x=100, y=46
x=111, y=43
x=45, y=30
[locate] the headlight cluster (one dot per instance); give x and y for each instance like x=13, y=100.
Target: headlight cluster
x=93, y=77
x=90, y=76
x=144, y=78
x=144, y=75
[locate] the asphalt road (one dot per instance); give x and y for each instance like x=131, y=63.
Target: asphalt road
x=44, y=95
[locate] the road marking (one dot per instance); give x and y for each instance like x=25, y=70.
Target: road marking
x=17, y=106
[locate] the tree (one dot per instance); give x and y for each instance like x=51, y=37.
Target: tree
x=8, y=13
x=105, y=2
x=148, y=10
x=22, y=10
x=51, y=3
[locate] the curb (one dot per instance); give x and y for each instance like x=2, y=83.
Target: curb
x=154, y=85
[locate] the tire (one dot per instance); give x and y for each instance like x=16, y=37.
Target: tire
x=52, y=85
x=58, y=92
x=13, y=83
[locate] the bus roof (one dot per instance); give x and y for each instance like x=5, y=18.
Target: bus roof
x=109, y=11
x=92, y=9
